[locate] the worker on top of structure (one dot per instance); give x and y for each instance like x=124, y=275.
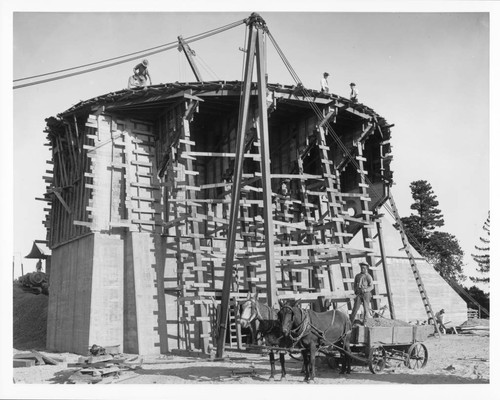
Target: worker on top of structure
x=141, y=75
x=39, y=266
x=354, y=93
x=324, y=83
x=363, y=285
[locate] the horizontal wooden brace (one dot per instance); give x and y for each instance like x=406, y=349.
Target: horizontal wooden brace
x=83, y=223
x=144, y=185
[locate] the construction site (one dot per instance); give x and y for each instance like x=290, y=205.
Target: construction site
x=168, y=205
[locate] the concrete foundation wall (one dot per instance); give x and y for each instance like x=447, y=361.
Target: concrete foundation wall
x=406, y=297
x=70, y=296
x=142, y=303
x=106, y=321
x=103, y=291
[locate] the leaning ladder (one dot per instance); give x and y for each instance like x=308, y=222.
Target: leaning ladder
x=413, y=264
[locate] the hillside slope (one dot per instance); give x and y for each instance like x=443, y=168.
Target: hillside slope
x=30, y=320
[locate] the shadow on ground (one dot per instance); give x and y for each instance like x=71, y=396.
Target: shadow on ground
x=214, y=373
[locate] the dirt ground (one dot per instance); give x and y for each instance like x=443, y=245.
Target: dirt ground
x=453, y=359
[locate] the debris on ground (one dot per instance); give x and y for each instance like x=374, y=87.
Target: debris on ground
x=100, y=365
x=23, y=359
x=385, y=322
x=476, y=322
x=475, y=326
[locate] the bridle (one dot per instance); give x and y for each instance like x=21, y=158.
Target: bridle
x=297, y=333
x=254, y=312
x=266, y=325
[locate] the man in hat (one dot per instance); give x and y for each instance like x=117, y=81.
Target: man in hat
x=141, y=75
x=324, y=83
x=363, y=285
x=439, y=319
x=354, y=93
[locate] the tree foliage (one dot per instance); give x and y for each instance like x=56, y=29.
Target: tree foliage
x=425, y=205
x=445, y=253
x=483, y=257
x=417, y=236
x=482, y=298
x=441, y=249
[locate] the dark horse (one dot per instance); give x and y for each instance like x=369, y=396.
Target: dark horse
x=268, y=326
x=313, y=331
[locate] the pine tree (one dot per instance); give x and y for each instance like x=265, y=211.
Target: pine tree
x=426, y=205
x=441, y=249
x=418, y=227
x=483, y=260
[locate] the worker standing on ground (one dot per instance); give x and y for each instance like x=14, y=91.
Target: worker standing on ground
x=363, y=285
x=439, y=320
x=354, y=93
x=324, y=83
x=141, y=75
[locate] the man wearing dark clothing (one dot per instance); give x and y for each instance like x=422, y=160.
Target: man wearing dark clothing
x=363, y=285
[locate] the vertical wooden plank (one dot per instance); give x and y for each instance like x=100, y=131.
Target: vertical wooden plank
x=385, y=269
x=263, y=132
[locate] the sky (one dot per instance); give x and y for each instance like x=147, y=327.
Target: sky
x=424, y=66
x=427, y=73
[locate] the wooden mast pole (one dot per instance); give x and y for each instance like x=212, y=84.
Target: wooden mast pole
x=189, y=55
x=271, y=285
x=235, y=192
x=383, y=258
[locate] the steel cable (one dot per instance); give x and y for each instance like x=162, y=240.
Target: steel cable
x=143, y=53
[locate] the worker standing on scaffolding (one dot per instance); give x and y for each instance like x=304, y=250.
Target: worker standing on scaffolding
x=324, y=83
x=141, y=75
x=354, y=93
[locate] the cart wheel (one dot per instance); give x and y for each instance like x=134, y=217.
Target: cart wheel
x=376, y=359
x=333, y=362
x=417, y=356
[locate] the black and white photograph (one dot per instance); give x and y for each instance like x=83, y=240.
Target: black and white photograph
x=291, y=197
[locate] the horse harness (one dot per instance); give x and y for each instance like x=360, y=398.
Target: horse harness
x=306, y=323
x=260, y=318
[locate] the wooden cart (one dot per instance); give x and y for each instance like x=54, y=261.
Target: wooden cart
x=376, y=346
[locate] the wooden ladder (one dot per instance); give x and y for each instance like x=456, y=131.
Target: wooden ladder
x=368, y=225
x=413, y=264
x=336, y=211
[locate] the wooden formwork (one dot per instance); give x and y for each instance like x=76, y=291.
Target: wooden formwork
x=154, y=168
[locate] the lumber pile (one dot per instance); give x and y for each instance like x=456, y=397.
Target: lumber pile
x=33, y=358
x=95, y=368
x=475, y=327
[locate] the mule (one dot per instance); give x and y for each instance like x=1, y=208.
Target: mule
x=267, y=325
x=313, y=331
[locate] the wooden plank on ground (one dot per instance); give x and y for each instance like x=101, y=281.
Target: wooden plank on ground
x=20, y=363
